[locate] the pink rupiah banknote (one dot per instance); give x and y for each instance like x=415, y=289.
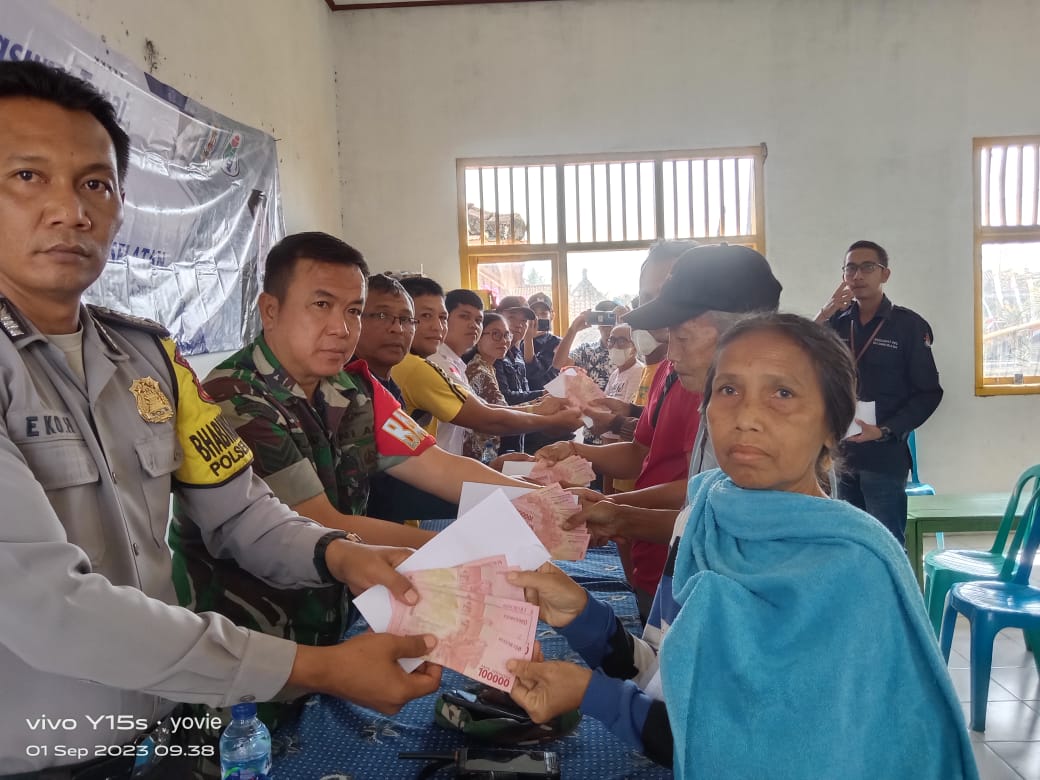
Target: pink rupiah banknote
x=544, y=510
x=582, y=389
x=575, y=385
x=487, y=575
x=477, y=632
x=572, y=471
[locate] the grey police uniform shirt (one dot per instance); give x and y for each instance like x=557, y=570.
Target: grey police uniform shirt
x=92, y=650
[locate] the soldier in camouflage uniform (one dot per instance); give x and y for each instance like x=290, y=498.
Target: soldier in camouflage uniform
x=315, y=441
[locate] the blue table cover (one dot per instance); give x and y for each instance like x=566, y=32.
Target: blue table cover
x=337, y=740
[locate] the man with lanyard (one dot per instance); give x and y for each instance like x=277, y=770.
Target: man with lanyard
x=100, y=419
x=892, y=346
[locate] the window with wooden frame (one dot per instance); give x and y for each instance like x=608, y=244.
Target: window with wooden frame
x=1007, y=265
x=577, y=228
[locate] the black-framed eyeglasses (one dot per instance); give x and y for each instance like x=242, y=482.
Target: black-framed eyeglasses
x=499, y=336
x=619, y=341
x=866, y=268
x=387, y=320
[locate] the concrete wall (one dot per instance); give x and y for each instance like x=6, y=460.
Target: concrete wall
x=868, y=108
x=267, y=63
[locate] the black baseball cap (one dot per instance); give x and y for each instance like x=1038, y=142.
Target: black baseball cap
x=713, y=277
x=515, y=303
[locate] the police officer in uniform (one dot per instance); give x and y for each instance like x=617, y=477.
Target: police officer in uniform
x=892, y=347
x=101, y=418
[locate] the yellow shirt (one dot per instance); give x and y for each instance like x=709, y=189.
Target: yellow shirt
x=430, y=396
x=644, y=383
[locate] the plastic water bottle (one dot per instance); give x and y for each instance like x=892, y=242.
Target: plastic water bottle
x=245, y=746
x=489, y=453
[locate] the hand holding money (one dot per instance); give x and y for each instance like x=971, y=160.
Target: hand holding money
x=572, y=471
x=480, y=620
x=581, y=388
x=559, y=598
x=545, y=511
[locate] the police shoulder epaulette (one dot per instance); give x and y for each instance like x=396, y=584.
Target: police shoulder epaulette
x=121, y=318
x=11, y=321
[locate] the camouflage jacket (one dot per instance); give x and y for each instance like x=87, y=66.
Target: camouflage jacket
x=352, y=429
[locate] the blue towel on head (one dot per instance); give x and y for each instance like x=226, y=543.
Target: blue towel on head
x=802, y=649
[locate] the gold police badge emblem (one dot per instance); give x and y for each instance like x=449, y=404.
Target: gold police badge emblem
x=152, y=403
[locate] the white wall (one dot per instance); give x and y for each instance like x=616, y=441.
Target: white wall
x=868, y=108
x=267, y=63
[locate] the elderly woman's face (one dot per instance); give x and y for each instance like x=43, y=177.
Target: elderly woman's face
x=766, y=415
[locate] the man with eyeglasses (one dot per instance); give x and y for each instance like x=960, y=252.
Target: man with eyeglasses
x=892, y=346
x=387, y=326
x=623, y=383
x=320, y=429
x=433, y=398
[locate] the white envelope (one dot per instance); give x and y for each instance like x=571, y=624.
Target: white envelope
x=557, y=386
x=475, y=492
x=491, y=527
x=865, y=411
x=517, y=468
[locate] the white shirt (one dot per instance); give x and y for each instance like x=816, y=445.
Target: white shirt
x=625, y=384
x=450, y=438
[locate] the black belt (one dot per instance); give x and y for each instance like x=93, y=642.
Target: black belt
x=114, y=767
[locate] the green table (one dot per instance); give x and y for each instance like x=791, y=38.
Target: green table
x=949, y=512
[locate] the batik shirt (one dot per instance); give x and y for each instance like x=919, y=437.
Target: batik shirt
x=352, y=429
x=594, y=358
x=484, y=383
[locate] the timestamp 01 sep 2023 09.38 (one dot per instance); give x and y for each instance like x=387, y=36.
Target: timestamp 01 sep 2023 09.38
x=52, y=748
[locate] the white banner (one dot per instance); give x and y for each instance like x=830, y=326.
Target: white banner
x=202, y=197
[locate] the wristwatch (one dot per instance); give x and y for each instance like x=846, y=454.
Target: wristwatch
x=886, y=433
x=319, y=552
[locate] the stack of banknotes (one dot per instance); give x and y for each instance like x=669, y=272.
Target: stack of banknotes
x=572, y=471
x=544, y=511
x=580, y=388
x=481, y=621
x=576, y=386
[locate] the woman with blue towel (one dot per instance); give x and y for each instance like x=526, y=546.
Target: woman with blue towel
x=801, y=648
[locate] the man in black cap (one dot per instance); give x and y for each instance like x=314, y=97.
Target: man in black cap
x=709, y=289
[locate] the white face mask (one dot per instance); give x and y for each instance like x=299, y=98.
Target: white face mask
x=645, y=342
x=618, y=357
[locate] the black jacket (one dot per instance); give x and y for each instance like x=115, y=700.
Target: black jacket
x=896, y=370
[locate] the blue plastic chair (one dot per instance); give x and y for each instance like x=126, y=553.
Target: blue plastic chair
x=991, y=607
x=942, y=568
x=914, y=485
